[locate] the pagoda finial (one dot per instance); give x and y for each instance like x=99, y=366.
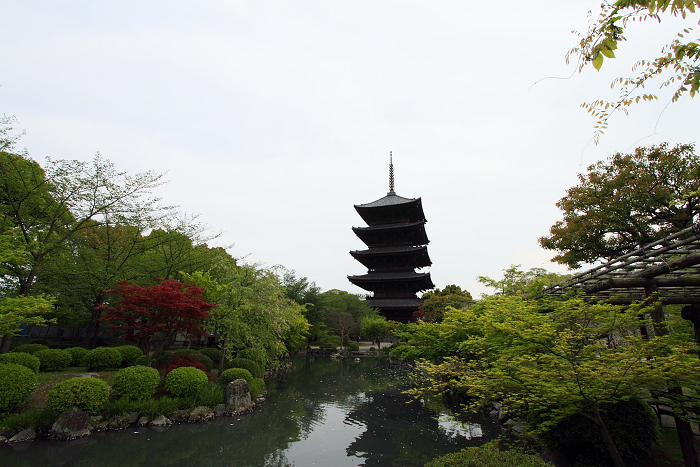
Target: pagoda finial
x=391, y=174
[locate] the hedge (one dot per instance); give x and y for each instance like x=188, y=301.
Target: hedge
x=487, y=456
x=102, y=358
x=129, y=354
x=255, y=369
x=90, y=394
x=30, y=348
x=77, y=354
x=21, y=358
x=185, y=380
x=232, y=374
x=53, y=359
x=136, y=382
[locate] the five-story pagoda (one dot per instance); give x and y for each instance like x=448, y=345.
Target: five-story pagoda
x=396, y=242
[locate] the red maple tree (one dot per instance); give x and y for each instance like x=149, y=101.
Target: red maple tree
x=155, y=315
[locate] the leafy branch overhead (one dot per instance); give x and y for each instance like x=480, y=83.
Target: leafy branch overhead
x=678, y=60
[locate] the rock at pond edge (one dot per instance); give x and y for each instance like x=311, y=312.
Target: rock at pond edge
x=72, y=423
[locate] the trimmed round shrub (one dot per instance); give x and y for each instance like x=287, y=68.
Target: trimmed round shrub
x=211, y=352
x=102, y=358
x=129, y=354
x=77, y=354
x=255, y=369
x=487, y=456
x=232, y=374
x=30, y=348
x=179, y=361
x=632, y=424
x=17, y=383
x=142, y=360
x=185, y=380
x=201, y=358
x=90, y=394
x=21, y=358
x=53, y=359
x=136, y=382
x=257, y=387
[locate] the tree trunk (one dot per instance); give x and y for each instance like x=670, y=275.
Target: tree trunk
x=6, y=343
x=685, y=437
x=605, y=434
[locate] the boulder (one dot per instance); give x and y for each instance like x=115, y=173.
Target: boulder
x=238, y=396
x=3, y=439
x=180, y=415
x=143, y=421
x=133, y=418
x=220, y=409
x=72, y=423
x=160, y=420
x=24, y=435
x=201, y=414
x=119, y=422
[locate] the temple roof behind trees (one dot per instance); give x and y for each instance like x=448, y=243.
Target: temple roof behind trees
x=670, y=266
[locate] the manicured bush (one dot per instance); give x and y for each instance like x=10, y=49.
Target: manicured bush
x=163, y=357
x=257, y=387
x=30, y=348
x=17, y=382
x=232, y=374
x=53, y=359
x=201, y=358
x=90, y=394
x=255, y=369
x=179, y=361
x=21, y=358
x=487, y=456
x=77, y=354
x=211, y=352
x=129, y=354
x=185, y=380
x=102, y=358
x=136, y=382
x=352, y=346
x=142, y=360
x=632, y=424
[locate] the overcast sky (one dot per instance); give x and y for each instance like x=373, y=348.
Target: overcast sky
x=274, y=118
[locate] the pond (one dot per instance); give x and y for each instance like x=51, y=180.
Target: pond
x=322, y=412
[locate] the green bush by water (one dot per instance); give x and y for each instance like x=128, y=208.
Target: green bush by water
x=77, y=354
x=257, y=387
x=232, y=374
x=17, y=382
x=37, y=419
x=129, y=354
x=136, y=382
x=30, y=348
x=21, y=358
x=53, y=359
x=90, y=394
x=185, y=380
x=102, y=358
x=487, y=456
x=247, y=364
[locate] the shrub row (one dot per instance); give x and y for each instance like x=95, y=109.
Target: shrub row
x=21, y=358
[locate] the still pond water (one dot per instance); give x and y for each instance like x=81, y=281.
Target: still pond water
x=321, y=413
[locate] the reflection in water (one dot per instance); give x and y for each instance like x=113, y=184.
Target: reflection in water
x=322, y=412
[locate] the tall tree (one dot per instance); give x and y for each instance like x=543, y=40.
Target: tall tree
x=435, y=302
x=677, y=64
x=626, y=202
x=154, y=316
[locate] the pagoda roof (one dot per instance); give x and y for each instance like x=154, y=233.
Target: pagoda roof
x=410, y=280
x=395, y=303
x=390, y=208
x=414, y=233
x=417, y=256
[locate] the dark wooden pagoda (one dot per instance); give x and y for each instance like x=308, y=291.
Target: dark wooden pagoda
x=396, y=242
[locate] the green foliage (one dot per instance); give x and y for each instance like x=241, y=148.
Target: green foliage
x=436, y=302
x=118, y=407
x=632, y=424
x=528, y=284
x=37, y=419
x=21, y=358
x=257, y=387
x=21, y=311
x=142, y=360
x=375, y=327
x=30, y=348
x=214, y=354
x=136, y=382
x=53, y=359
x=102, y=358
x=232, y=374
x=129, y=354
x=254, y=369
x=627, y=201
x=77, y=355
x=90, y=394
x=164, y=357
x=151, y=408
x=210, y=395
x=201, y=358
x=305, y=293
x=185, y=380
x=17, y=383
x=487, y=456
x=352, y=346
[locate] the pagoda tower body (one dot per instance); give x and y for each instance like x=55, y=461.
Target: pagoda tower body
x=397, y=246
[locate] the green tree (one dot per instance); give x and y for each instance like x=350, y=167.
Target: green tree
x=528, y=284
x=558, y=358
x=304, y=293
x=436, y=302
x=16, y=312
x=375, y=327
x=626, y=202
x=343, y=323
x=676, y=65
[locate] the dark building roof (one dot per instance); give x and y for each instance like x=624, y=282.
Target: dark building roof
x=409, y=256
x=403, y=280
x=396, y=234
x=391, y=208
x=396, y=303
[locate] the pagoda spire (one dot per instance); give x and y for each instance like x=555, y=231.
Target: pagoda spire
x=391, y=175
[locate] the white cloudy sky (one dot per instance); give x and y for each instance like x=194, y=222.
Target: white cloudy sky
x=274, y=118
